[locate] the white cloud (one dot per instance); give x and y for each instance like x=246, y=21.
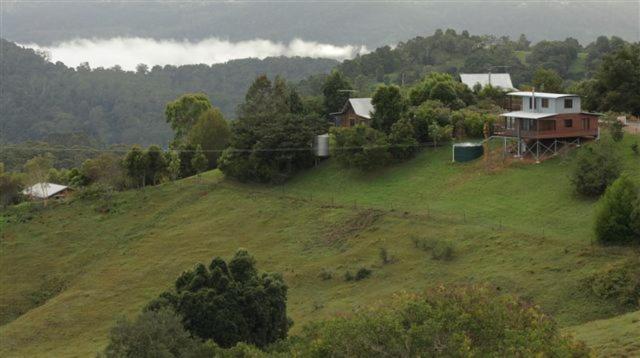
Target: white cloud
x=130, y=51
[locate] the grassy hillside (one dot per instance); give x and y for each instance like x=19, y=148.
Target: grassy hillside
x=69, y=270
x=613, y=337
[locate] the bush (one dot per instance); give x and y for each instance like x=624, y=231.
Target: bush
x=360, y=147
x=597, y=166
x=152, y=334
x=440, y=250
x=363, y=273
x=230, y=303
x=325, y=275
x=619, y=282
x=465, y=322
x=402, y=141
x=618, y=217
x=635, y=148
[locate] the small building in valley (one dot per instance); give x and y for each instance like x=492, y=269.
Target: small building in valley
x=355, y=111
x=43, y=191
x=546, y=121
x=498, y=80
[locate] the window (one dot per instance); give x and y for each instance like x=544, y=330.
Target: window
x=586, y=123
x=532, y=103
x=568, y=123
x=545, y=103
x=568, y=103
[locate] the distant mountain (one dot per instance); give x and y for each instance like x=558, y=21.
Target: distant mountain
x=39, y=98
x=338, y=22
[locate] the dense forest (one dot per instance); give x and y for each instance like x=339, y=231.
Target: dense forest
x=112, y=106
x=39, y=98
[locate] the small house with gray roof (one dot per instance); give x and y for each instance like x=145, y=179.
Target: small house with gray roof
x=355, y=111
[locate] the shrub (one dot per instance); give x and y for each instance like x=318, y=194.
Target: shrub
x=619, y=282
x=384, y=256
x=325, y=275
x=635, y=148
x=466, y=322
x=439, y=249
x=363, y=273
x=617, y=217
x=230, y=303
x=402, y=141
x=348, y=276
x=152, y=334
x=442, y=251
x=597, y=166
x=616, y=129
x=360, y=147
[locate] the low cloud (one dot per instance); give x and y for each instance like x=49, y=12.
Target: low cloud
x=127, y=52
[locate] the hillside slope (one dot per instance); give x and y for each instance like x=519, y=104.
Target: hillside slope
x=69, y=270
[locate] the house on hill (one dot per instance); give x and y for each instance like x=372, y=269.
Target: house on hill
x=43, y=191
x=545, y=122
x=355, y=111
x=499, y=80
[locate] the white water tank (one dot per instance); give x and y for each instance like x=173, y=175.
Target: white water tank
x=322, y=145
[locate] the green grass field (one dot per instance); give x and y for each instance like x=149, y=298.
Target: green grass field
x=67, y=271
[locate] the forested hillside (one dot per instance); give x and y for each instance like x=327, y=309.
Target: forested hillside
x=39, y=98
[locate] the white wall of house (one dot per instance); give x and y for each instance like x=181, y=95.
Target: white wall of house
x=554, y=105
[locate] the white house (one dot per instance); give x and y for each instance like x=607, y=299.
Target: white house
x=46, y=191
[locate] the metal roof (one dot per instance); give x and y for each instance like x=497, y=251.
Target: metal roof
x=361, y=106
x=528, y=115
x=44, y=190
x=502, y=80
x=541, y=94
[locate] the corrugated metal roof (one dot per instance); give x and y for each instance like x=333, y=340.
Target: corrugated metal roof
x=527, y=115
x=502, y=80
x=362, y=107
x=44, y=190
x=541, y=94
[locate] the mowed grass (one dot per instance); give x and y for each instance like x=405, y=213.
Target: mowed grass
x=519, y=229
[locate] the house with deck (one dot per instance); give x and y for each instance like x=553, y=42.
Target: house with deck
x=546, y=122
x=355, y=111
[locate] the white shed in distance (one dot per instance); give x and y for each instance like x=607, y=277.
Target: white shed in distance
x=501, y=80
x=46, y=190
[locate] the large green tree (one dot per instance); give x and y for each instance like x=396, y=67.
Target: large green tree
x=596, y=167
x=230, y=302
x=360, y=147
x=617, y=220
x=183, y=113
x=617, y=81
x=547, y=81
x=389, y=105
x=270, y=140
x=336, y=90
x=211, y=132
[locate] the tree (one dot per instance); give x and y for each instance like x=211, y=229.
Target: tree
x=269, y=141
x=152, y=334
x=135, y=165
x=199, y=161
x=336, y=91
x=617, y=219
x=37, y=171
x=173, y=164
x=427, y=113
x=462, y=322
x=156, y=165
x=547, y=81
x=618, y=81
x=389, y=107
x=211, y=132
x=360, y=147
x=105, y=169
x=11, y=185
x=596, y=167
x=402, y=142
x=439, y=133
x=183, y=113
x=230, y=303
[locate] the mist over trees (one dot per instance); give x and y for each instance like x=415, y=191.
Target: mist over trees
x=40, y=98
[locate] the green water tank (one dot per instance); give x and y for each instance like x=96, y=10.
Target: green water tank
x=464, y=152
